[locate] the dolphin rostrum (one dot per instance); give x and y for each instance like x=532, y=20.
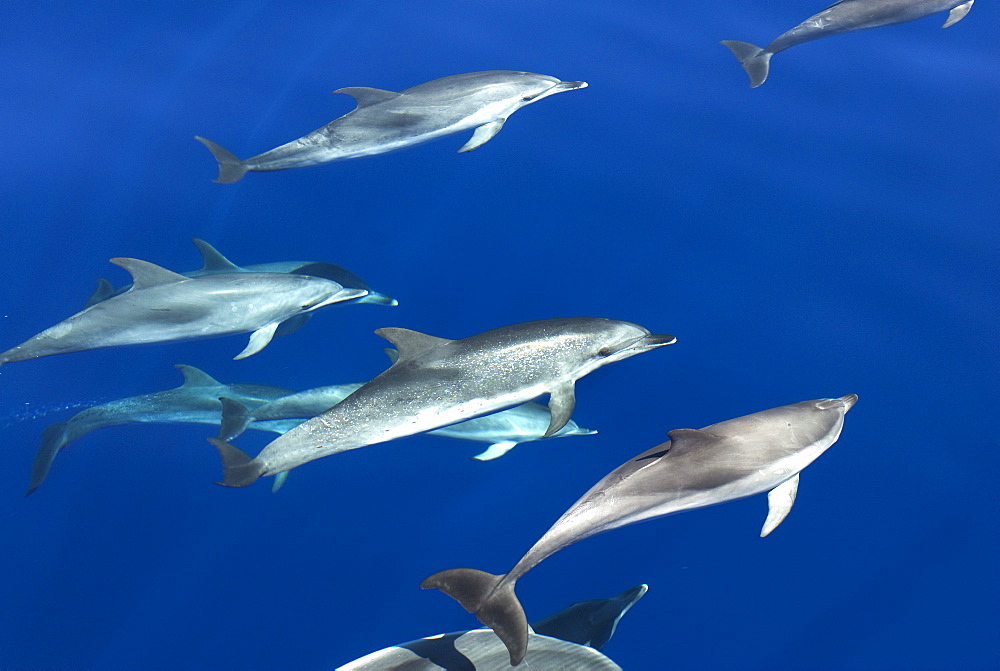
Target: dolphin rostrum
x=697, y=467
x=163, y=306
x=842, y=17
x=437, y=382
x=215, y=263
x=560, y=641
x=195, y=401
x=385, y=121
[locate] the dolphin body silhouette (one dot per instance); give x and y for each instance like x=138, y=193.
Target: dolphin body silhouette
x=842, y=17
x=214, y=263
x=557, y=642
x=385, y=121
x=437, y=382
x=196, y=401
x=163, y=306
x=739, y=457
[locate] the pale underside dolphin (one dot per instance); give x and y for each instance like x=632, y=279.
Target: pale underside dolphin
x=214, y=263
x=560, y=641
x=385, y=121
x=195, y=401
x=437, y=382
x=843, y=17
x=163, y=306
x=697, y=467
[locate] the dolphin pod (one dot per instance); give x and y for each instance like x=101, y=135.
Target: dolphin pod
x=385, y=121
x=163, y=306
x=437, y=382
x=844, y=16
x=739, y=457
x=569, y=639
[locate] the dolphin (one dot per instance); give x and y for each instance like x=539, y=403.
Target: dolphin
x=163, y=306
x=214, y=262
x=842, y=17
x=729, y=460
x=480, y=650
x=195, y=401
x=385, y=121
x=437, y=382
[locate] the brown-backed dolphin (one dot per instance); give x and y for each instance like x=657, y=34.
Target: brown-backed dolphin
x=437, y=382
x=385, y=121
x=697, y=467
x=841, y=17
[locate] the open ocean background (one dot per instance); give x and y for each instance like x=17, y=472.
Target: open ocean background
x=834, y=231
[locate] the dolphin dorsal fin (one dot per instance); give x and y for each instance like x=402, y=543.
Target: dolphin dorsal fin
x=195, y=377
x=145, y=274
x=410, y=343
x=367, y=96
x=685, y=440
x=212, y=260
x=103, y=292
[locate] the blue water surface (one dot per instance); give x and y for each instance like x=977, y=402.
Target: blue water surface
x=831, y=232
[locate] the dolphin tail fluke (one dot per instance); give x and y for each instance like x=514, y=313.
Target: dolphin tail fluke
x=231, y=169
x=53, y=438
x=238, y=469
x=754, y=60
x=493, y=602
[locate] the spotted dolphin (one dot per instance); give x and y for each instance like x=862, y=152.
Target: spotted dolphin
x=762, y=452
x=195, y=401
x=559, y=641
x=163, y=306
x=437, y=382
x=842, y=17
x=213, y=262
x=385, y=121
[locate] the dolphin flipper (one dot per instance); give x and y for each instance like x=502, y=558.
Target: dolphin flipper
x=238, y=469
x=779, y=504
x=53, y=439
x=258, y=340
x=279, y=481
x=496, y=607
x=496, y=450
x=482, y=135
x=562, y=401
x=231, y=169
x=754, y=60
x=957, y=14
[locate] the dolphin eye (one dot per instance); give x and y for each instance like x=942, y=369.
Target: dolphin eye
x=605, y=351
x=528, y=97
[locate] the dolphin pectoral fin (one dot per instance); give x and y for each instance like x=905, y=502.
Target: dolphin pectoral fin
x=53, y=439
x=562, y=400
x=754, y=60
x=258, y=340
x=493, y=604
x=235, y=419
x=279, y=481
x=238, y=469
x=292, y=324
x=367, y=96
x=482, y=135
x=231, y=169
x=103, y=292
x=779, y=503
x=957, y=14
x=496, y=450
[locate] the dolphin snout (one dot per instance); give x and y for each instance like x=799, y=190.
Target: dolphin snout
x=569, y=86
x=657, y=340
x=849, y=401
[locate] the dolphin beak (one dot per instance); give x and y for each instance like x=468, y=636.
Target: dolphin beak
x=345, y=294
x=630, y=596
x=570, y=86
x=655, y=340
x=849, y=401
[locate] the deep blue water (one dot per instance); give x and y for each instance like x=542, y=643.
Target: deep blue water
x=832, y=232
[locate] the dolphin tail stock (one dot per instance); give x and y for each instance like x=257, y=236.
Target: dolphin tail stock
x=231, y=169
x=53, y=439
x=492, y=600
x=754, y=60
x=238, y=469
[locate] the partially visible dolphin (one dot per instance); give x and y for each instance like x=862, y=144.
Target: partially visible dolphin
x=195, y=401
x=163, y=306
x=437, y=382
x=739, y=457
x=480, y=650
x=215, y=263
x=841, y=17
x=385, y=121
